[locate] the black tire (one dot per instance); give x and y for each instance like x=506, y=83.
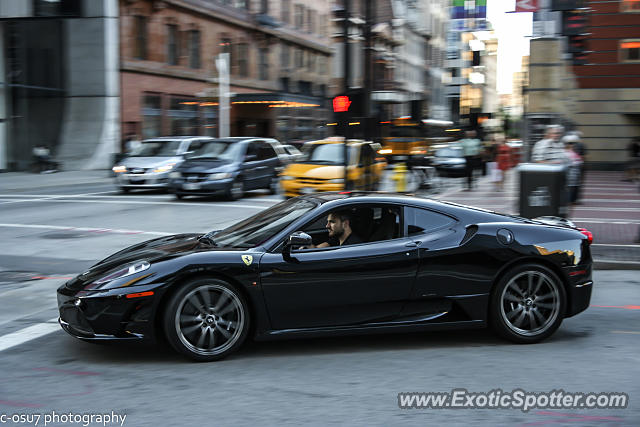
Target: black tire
x=179, y=196
x=207, y=319
x=528, y=304
x=236, y=189
x=274, y=185
x=124, y=190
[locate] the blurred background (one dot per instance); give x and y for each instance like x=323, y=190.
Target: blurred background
x=82, y=77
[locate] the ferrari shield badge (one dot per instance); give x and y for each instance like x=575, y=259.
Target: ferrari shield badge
x=248, y=259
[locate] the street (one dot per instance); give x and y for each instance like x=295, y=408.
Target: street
x=52, y=233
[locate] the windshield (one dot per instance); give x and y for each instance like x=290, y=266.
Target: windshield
x=223, y=150
x=259, y=228
x=328, y=154
x=449, y=152
x=168, y=148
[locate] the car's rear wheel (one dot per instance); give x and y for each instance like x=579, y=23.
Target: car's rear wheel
x=124, y=190
x=207, y=319
x=528, y=304
x=179, y=196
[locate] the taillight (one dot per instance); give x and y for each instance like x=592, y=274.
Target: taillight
x=587, y=233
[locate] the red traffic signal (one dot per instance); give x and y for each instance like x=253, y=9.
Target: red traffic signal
x=341, y=104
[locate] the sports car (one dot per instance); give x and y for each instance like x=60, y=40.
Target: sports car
x=418, y=264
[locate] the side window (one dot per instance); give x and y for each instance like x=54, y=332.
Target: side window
x=420, y=221
x=194, y=145
x=266, y=151
x=252, y=150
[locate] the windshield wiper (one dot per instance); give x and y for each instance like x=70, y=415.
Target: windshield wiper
x=206, y=238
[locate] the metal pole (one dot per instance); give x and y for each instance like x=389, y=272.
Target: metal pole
x=347, y=77
x=368, y=17
x=222, y=63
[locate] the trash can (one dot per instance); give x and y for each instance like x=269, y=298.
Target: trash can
x=543, y=190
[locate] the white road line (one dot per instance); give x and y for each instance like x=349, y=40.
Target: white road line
x=92, y=230
x=585, y=208
x=135, y=202
x=613, y=245
x=29, y=333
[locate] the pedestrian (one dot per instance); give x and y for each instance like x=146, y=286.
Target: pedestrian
x=132, y=143
x=550, y=149
x=633, y=165
x=574, y=164
x=503, y=161
x=42, y=159
x=579, y=149
x=471, y=147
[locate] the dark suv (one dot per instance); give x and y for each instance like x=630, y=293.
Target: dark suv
x=228, y=166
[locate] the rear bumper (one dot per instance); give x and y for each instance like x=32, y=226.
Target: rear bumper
x=579, y=297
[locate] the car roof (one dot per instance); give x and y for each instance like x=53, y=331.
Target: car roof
x=173, y=138
x=454, y=209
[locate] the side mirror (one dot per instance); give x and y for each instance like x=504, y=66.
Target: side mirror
x=250, y=157
x=298, y=238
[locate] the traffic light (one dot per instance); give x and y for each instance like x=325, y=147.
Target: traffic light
x=575, y=23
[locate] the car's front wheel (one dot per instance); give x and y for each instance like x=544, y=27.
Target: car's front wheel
x=236, y=190
x=527, y=304
x=274, y=185
x=207, y=319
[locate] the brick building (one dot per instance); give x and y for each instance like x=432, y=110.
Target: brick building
x=279, y=62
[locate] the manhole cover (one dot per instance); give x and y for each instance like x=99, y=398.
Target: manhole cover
x=67, y=235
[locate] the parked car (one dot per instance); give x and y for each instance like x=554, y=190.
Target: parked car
x=228, y=166
x=149, y=165
x=449, y=161
x=418, y=265
x=322, y=167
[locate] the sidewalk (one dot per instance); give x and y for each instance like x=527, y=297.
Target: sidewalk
x=33, y=181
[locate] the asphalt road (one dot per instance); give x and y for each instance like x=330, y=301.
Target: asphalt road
x=52, y=234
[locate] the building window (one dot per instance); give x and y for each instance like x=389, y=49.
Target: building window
x=263, y=63
x=241, y=4
x=310, y=20
x=264, y=7
x=284, y=56
x=172, y=44
x=298, y=15
x=297, y=58
x=311, y=61
x=243, y=59
x=630, y=50
x=284, y=13
x=194, y=49
x=630, y=6
x=183, y=116
x=151, y=116
x=141, y=37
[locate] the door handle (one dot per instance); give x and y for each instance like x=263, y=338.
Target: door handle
x=412, y=245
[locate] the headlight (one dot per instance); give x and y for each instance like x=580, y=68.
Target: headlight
x=385, y=151
x=287, y=177
x=175, y=174
x=220, y=175
x=336, y=181
x=119, y=169
x=124, y=272
x=164, y=168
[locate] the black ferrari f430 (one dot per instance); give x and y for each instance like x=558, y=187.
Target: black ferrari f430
x=417, y=264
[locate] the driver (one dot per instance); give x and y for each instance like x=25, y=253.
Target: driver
x=340, y=232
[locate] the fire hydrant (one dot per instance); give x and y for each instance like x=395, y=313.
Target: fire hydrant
x=400, y=177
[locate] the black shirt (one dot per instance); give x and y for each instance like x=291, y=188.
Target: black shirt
x=351, y=240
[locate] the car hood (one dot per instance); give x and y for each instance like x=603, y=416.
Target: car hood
x=310, y=170
x=206, y=166
x=149, y=162
x=151, y=251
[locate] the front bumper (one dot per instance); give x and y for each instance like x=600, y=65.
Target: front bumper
x=294, y=188
x=200, y=188
x=107, y=315
x=142, y=181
